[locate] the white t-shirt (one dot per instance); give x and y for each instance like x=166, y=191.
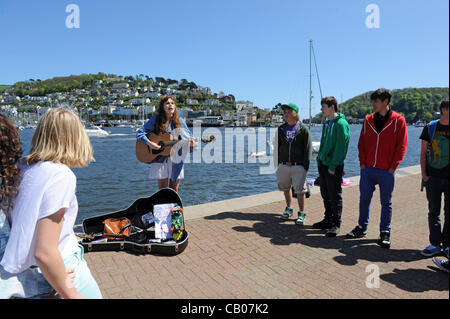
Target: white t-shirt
x=45, y=188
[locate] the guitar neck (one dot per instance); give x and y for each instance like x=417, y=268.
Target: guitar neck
x=203, y=140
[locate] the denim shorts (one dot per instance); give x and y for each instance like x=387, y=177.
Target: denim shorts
x=32, y=284
x=29, y=283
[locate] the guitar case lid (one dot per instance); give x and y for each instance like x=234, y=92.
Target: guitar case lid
x=141, y=206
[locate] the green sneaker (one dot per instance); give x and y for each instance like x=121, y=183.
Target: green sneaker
x=287, y=213
x=301, y=218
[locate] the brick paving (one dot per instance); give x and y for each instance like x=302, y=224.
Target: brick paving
x=252, y=253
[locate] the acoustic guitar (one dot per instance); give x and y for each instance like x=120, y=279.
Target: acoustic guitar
x=147, y=155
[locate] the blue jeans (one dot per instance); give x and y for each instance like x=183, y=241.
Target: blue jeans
x=435, y=187
x=369, y=178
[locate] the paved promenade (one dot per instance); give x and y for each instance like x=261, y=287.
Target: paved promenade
x=247, y=251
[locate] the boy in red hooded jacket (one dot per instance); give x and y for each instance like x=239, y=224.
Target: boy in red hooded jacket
x=382, y=146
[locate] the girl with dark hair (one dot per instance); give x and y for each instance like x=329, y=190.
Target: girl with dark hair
x=166, y=120
x=10, y=153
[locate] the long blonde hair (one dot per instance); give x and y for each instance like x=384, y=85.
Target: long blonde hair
x=60, y=137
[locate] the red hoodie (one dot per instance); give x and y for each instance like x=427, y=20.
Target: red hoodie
x=386, y=149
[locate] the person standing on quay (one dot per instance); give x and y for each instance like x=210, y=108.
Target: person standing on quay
x=166, y=120
x=330, y=162
x=29, y=283
x=382, y=146
x=434, y=166
x=294, y=156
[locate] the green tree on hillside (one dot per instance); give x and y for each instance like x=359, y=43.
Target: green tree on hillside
x=415, y=103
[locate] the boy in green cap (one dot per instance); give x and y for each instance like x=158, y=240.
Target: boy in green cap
x=330, y=162
x=294, y=155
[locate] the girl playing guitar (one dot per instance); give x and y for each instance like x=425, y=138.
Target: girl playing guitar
x=165, y=121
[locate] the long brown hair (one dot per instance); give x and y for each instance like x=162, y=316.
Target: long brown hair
x=10, y=153
x=161, y=117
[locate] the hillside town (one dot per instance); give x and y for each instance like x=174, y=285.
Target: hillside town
x=123, y=101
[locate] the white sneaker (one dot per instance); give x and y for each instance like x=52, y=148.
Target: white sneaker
x=301, y=218
x=441, y=264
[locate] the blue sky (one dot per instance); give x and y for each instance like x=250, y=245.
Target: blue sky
x=254, y=49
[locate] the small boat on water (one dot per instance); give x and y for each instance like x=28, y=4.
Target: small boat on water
x=419, y=124
x=315, y=147
x=96, y=131
x=257, y=154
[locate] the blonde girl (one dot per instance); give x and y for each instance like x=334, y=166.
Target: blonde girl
x=45, y=209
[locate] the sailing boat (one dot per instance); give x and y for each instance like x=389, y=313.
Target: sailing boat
x=315, y=144
x=138, y=124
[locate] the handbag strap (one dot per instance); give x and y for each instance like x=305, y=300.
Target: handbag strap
x=124, y=228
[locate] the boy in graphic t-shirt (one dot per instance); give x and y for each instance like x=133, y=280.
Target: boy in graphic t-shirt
x=294, y=149
x=434, y=166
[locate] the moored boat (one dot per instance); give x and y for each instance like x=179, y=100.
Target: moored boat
x=96, y=131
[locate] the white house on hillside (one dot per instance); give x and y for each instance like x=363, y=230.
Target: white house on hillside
x=212, y=102
x=121, y=85
x=191, y=102
x=139, y=101
x=239, y=105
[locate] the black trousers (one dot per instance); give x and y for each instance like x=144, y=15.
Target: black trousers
x=331, y=191
x=436, y=187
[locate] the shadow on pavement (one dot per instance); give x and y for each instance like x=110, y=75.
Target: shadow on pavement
x=418, y=280
x=284, y=233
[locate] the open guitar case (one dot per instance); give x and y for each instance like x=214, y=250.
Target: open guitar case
x=139, y=242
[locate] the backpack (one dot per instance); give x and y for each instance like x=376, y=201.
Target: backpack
x=431, y=130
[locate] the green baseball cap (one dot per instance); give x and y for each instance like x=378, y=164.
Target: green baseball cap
x=291, y=106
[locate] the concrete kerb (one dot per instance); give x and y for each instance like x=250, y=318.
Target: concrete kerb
x=234, y=204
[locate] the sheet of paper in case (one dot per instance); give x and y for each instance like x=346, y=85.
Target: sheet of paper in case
x=163, y=220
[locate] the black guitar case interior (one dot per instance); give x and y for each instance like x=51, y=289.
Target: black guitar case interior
x=138, y=242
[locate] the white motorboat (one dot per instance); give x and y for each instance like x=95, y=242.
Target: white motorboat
x=315, y=147
x=419, y=124
x=96, y=131
x=257, y=154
